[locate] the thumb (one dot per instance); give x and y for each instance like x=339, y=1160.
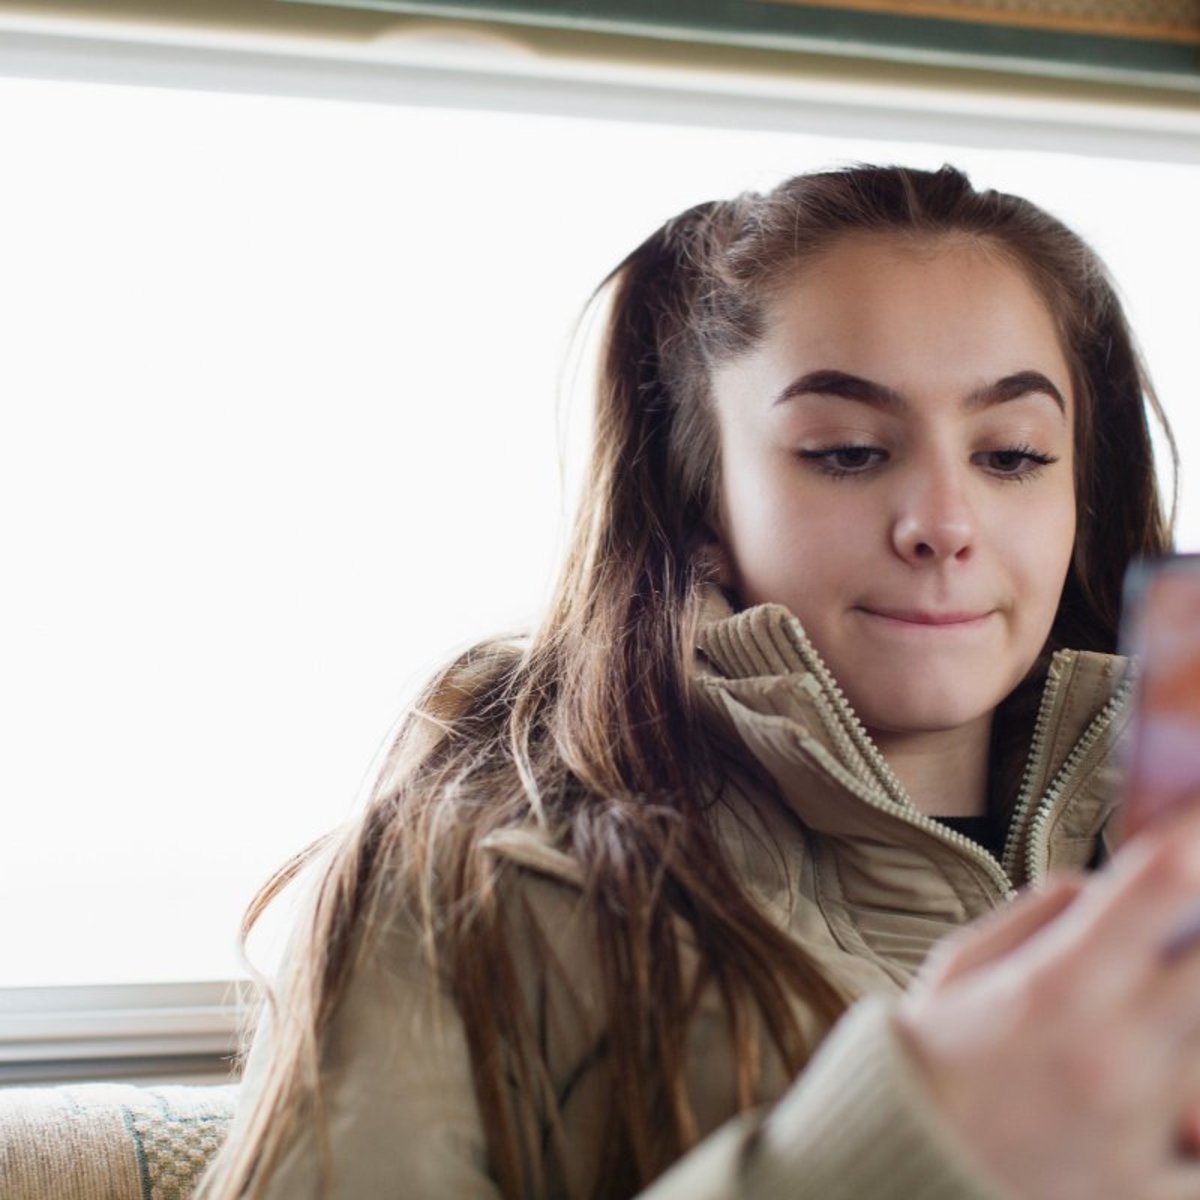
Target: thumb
x=1000, y=932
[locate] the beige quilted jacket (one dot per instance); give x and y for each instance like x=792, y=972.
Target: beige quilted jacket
x=839, y=857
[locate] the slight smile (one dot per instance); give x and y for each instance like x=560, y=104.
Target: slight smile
x=933, y=621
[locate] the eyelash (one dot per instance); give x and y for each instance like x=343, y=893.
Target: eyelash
x=824, y=460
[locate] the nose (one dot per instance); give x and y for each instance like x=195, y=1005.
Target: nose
x=933, y=522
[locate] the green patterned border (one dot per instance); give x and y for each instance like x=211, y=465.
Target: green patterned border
x=813, y=29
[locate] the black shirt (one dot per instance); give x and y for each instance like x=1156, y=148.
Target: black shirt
x=985, y=830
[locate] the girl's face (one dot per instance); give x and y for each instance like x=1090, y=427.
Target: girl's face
x=896, y=469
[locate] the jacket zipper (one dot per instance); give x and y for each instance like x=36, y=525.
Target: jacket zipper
x=1083, y=747
x=1003, y=869
x=850, y=723
x=1033, y=767
x=895, y=789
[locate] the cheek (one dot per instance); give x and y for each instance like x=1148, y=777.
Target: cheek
x=786, y=544
x=1041, y=556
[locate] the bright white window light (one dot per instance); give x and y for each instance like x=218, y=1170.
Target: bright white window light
x=279, y=382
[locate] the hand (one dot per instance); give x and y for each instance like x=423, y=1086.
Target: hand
x=1062, y=1041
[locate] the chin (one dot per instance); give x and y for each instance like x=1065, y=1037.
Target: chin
x=924, y=713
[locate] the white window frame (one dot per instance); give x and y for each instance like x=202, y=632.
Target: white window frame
x=185, y=1032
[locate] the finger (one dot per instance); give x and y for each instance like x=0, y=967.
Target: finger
x=996, y=935
x=1169, y=1004
x=1181, y=825
x=1182, y=1183
x=1184, y=937
x=1129, y=911
x=1189, y=1134
x=1173, y=824
x=1186, y=1144
x=1136, y=819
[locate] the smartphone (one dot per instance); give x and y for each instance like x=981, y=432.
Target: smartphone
x=1160, y=628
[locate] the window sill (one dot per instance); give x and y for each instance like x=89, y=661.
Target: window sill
x=133, y=1032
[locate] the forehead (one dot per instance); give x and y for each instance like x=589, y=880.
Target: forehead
x=945, y=313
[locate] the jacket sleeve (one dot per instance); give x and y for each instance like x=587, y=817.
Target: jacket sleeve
x=397, y=1087
x=857, y=1123
x=403, y=1121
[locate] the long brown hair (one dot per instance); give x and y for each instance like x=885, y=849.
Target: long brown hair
x=588, y=728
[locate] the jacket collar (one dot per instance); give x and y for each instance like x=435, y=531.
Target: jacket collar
x=763, y=681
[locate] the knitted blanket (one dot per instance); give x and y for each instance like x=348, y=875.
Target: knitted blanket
x=109, y=1141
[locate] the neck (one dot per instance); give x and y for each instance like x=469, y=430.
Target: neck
x=944, y=771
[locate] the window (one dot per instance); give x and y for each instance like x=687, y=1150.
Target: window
x=281, y=383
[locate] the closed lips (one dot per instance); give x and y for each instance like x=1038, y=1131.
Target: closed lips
x=927, y=618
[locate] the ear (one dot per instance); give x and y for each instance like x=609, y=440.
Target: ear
x=714, y=559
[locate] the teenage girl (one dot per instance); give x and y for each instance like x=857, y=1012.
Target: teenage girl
x=777, y=860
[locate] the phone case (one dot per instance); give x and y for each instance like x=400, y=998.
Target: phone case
x=1161, y=630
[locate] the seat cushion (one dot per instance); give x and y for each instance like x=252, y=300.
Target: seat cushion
x=109, y=1141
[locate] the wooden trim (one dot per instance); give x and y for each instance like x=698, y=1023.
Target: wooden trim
x=983, y=13
x=941, y=34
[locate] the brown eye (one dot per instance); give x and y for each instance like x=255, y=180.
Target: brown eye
x=851, y=457
x=1007, y=460
x=842, y=462
x=1015, y=462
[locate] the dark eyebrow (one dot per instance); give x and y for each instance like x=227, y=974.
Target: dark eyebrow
x=838, y=383
x=1013, y=387
x=866, y=391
